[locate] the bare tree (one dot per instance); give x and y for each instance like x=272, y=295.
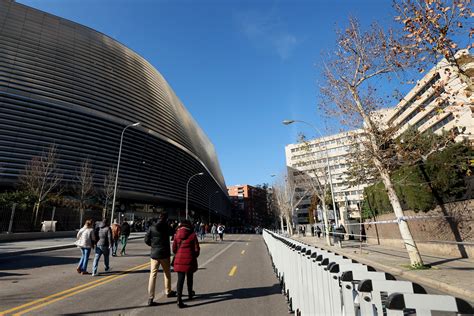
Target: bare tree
x=288, y=196
x=315, y=180
x=108, y=189
x=359, y=59
x=84, y=186
x=41, y=176
x=430, y=28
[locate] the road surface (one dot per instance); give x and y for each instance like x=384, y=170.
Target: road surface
x=235, y=277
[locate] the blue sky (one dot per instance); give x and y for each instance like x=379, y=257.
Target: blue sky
x=240, y=67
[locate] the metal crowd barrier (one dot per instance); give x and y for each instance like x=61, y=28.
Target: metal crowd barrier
x=320, y=282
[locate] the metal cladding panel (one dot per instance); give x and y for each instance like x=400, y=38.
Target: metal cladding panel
x=67, y=84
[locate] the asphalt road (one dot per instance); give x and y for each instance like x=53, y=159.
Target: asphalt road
x=235, y=277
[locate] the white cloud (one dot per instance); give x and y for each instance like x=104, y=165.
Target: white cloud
x=268, y=31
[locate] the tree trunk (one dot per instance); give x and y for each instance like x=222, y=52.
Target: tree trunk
x=35, y=213
x=289, y=225
x=282, y=224
x=413, y=253
x=326, y=224
x=410, y=245
x=81, y=216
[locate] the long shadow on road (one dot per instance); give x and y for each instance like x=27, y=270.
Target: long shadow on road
x=203, y=299
x=32, y=261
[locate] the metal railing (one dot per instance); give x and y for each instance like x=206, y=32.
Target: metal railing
x=320, y=282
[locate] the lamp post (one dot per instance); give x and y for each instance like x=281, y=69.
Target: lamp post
x=118, y=167
x=187, y=186
x=288, y=122
x=210, y=196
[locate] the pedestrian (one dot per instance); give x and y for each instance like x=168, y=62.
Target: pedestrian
x=115, y=237
x=186, y=249
x=158, y=238
x=214, y=231
x=202, y=231
x=103, y=235
x=318, y=231
x=85, y=242
x=124, y=233
x=220, y=231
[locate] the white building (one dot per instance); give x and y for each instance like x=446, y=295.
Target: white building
x=439, y=101
x=314, y=155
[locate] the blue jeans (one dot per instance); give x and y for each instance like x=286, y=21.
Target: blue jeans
x=115, y=246
x=99, y=251
x=85, y=252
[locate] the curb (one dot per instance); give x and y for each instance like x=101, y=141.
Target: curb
x=409, y=275
x=13, y=254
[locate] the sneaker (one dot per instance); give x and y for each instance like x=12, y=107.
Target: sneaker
x=151, y=303
x=171, y=294
x=191, y=295
x=78, y=270
x=95, y=274
x=108, y=269
x=85, y=273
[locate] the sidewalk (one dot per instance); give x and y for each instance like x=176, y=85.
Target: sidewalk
x=455, y=276
x=15, y=248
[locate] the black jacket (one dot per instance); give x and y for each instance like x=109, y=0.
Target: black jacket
x=125, y=229
x=158, y=237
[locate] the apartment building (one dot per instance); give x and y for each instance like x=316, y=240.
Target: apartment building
x=249, y=204
x=303, y=159
x=439, y=101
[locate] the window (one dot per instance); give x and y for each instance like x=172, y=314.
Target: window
x=420, y=92
x=443, y=122
x=430, y=114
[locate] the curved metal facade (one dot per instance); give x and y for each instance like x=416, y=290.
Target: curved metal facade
x=63, y=83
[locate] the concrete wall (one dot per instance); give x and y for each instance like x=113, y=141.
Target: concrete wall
x=437, y=235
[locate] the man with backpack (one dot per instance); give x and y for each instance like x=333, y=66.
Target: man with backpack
x=124, y=233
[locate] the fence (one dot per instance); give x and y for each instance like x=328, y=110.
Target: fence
x=15, y=218
x=320, y=282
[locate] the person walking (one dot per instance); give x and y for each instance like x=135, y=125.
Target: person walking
x=186, y=250
x=85, y=242
x=214, y=231
x=220, y=231
x=103, y=235
x=124, y=233
x=202, y=231
x=115, y=237
x=318, y=231
x=158, y=238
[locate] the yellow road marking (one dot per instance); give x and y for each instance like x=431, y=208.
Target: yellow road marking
x=71, y=291
x=232, y=271
x=243, y=251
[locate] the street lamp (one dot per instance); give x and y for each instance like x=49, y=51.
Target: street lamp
x=118, y=167
x=187, y=186
x=288, y=122
x=210, y=196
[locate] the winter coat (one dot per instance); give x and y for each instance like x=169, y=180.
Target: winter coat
x=116, y=231
x=85, y=237
x=186, y=249
x=103, y=235
x=125, y=229
x=158, y=237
